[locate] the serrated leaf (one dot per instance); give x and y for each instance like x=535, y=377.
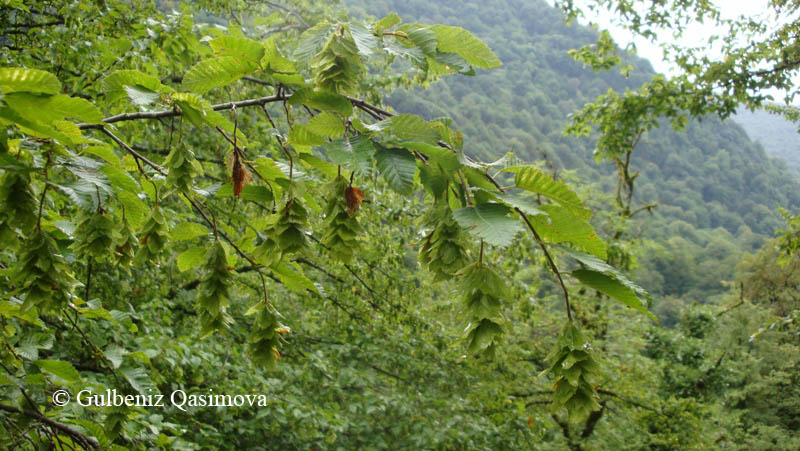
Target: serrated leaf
x=593, y=263
x=397, y=167
x=187, y=231
x=19, y=79
x=274, y=60
x=387, y=22
x=190, y=258
x=60, y=369
x=442, y=156
x=312, y=41
x=134, y=208
x=365, y=41
x=613, y=288
x=120, y=179
x=53, y=108
x=322, y=100
x=215, y=72
x=244, y=48
x=104, y=152
x=115, y=355
x=411, y=127
x=292, y=277
x=490, y=222
x=115, y=83
x=559, y=225
x=465, y=44
x=527, y=205
x=326, y=124
x=141, y=96
x=140, y=381
x=354, y=153
x=536, y=181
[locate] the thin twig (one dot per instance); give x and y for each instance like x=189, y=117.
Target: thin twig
x=549, y=260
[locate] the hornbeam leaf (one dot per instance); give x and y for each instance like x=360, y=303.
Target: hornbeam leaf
x=595, y=264
x=187, y=231
x=53, y=108
x=613, y=288
x=141, y=96
x=115, y=84
x=238, y=47
x=397, y=167
x=326, y=124
x=322, y=100
x=413, y=128
x=387, y=22
x=19, y=79
x=489, y=221
x=465, y=44
x=364, y=39
x=560, y=225
x=536, y=181
x=312, y=41
x=190, y=258
x=527, y=205
x=292, y=277
x=60, y=369
x=215, y=72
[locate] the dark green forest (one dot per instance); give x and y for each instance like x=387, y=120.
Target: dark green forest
x=250, y=224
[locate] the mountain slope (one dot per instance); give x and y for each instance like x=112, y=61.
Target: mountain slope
x=778, y=136
x=713, y=184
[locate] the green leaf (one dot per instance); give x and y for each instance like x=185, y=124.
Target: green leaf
x=365, y=41
x=490, y=222
x=326, y=124
x=120, y=179
x=312, y=41
x=60, y=369
x=527, y=205
x=446, y=158
x=595, y=264
x=136, y=210
x=354, y=153
x=141, y=96
x=18, y=79
x=215, y=72
x=613, y=288
x=292, y=277
x=387, y=22
x=411, y=127
x=187, y=231
x=190, y=258
x=397, y=167
x=241, y=48
x=322, y=100
x=274, y=60
x=559, y=225
x=465, y=44
x=106, y=153
x=53, y=108
x=116, y=83
x=536, y=181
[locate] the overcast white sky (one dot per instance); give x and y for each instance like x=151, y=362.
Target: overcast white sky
x=696, y=35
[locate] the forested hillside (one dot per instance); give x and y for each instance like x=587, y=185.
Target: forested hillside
x=716, y=190
x=778, y=135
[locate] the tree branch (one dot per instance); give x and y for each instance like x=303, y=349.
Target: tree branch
x=82, y=440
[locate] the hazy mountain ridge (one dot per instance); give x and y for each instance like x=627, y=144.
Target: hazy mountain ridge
x=778, y=136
